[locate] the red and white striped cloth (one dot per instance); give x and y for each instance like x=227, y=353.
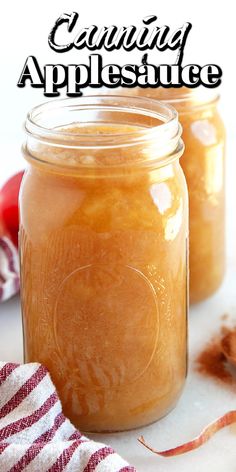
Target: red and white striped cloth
x=35, y=436
x=9, y=269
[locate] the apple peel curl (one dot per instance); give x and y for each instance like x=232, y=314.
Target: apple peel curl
x=225, y=420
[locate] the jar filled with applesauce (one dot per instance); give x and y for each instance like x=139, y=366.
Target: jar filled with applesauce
x=103, y=249
x=204, y=169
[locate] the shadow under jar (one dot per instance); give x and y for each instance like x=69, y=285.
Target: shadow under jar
x=203, y=163
x=103, y=248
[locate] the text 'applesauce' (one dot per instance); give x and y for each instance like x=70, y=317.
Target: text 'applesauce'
x=103, y=247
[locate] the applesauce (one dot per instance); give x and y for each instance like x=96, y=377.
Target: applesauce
x=103, y=248
x=204, y=168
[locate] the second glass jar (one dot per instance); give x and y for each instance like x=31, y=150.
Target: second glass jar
x=203, y=163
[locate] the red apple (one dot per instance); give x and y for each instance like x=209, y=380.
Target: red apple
x=9, y=211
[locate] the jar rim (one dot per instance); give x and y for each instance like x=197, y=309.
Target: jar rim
x=184, y=99
x=197, y=98
x=49, y=142
x=169, y=127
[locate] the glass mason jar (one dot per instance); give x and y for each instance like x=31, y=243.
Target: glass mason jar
x=103, y=246
x=203, y=163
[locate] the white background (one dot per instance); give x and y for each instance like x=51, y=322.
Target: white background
x=24, y=31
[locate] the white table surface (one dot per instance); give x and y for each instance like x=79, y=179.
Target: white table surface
x=202, y=401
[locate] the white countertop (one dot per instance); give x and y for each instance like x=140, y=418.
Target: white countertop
x=202, y=401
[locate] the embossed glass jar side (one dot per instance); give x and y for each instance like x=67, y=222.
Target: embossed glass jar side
x=104, y=275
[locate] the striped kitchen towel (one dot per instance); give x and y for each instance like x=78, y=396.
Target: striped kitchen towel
x=35, y=436
x=9, y=269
